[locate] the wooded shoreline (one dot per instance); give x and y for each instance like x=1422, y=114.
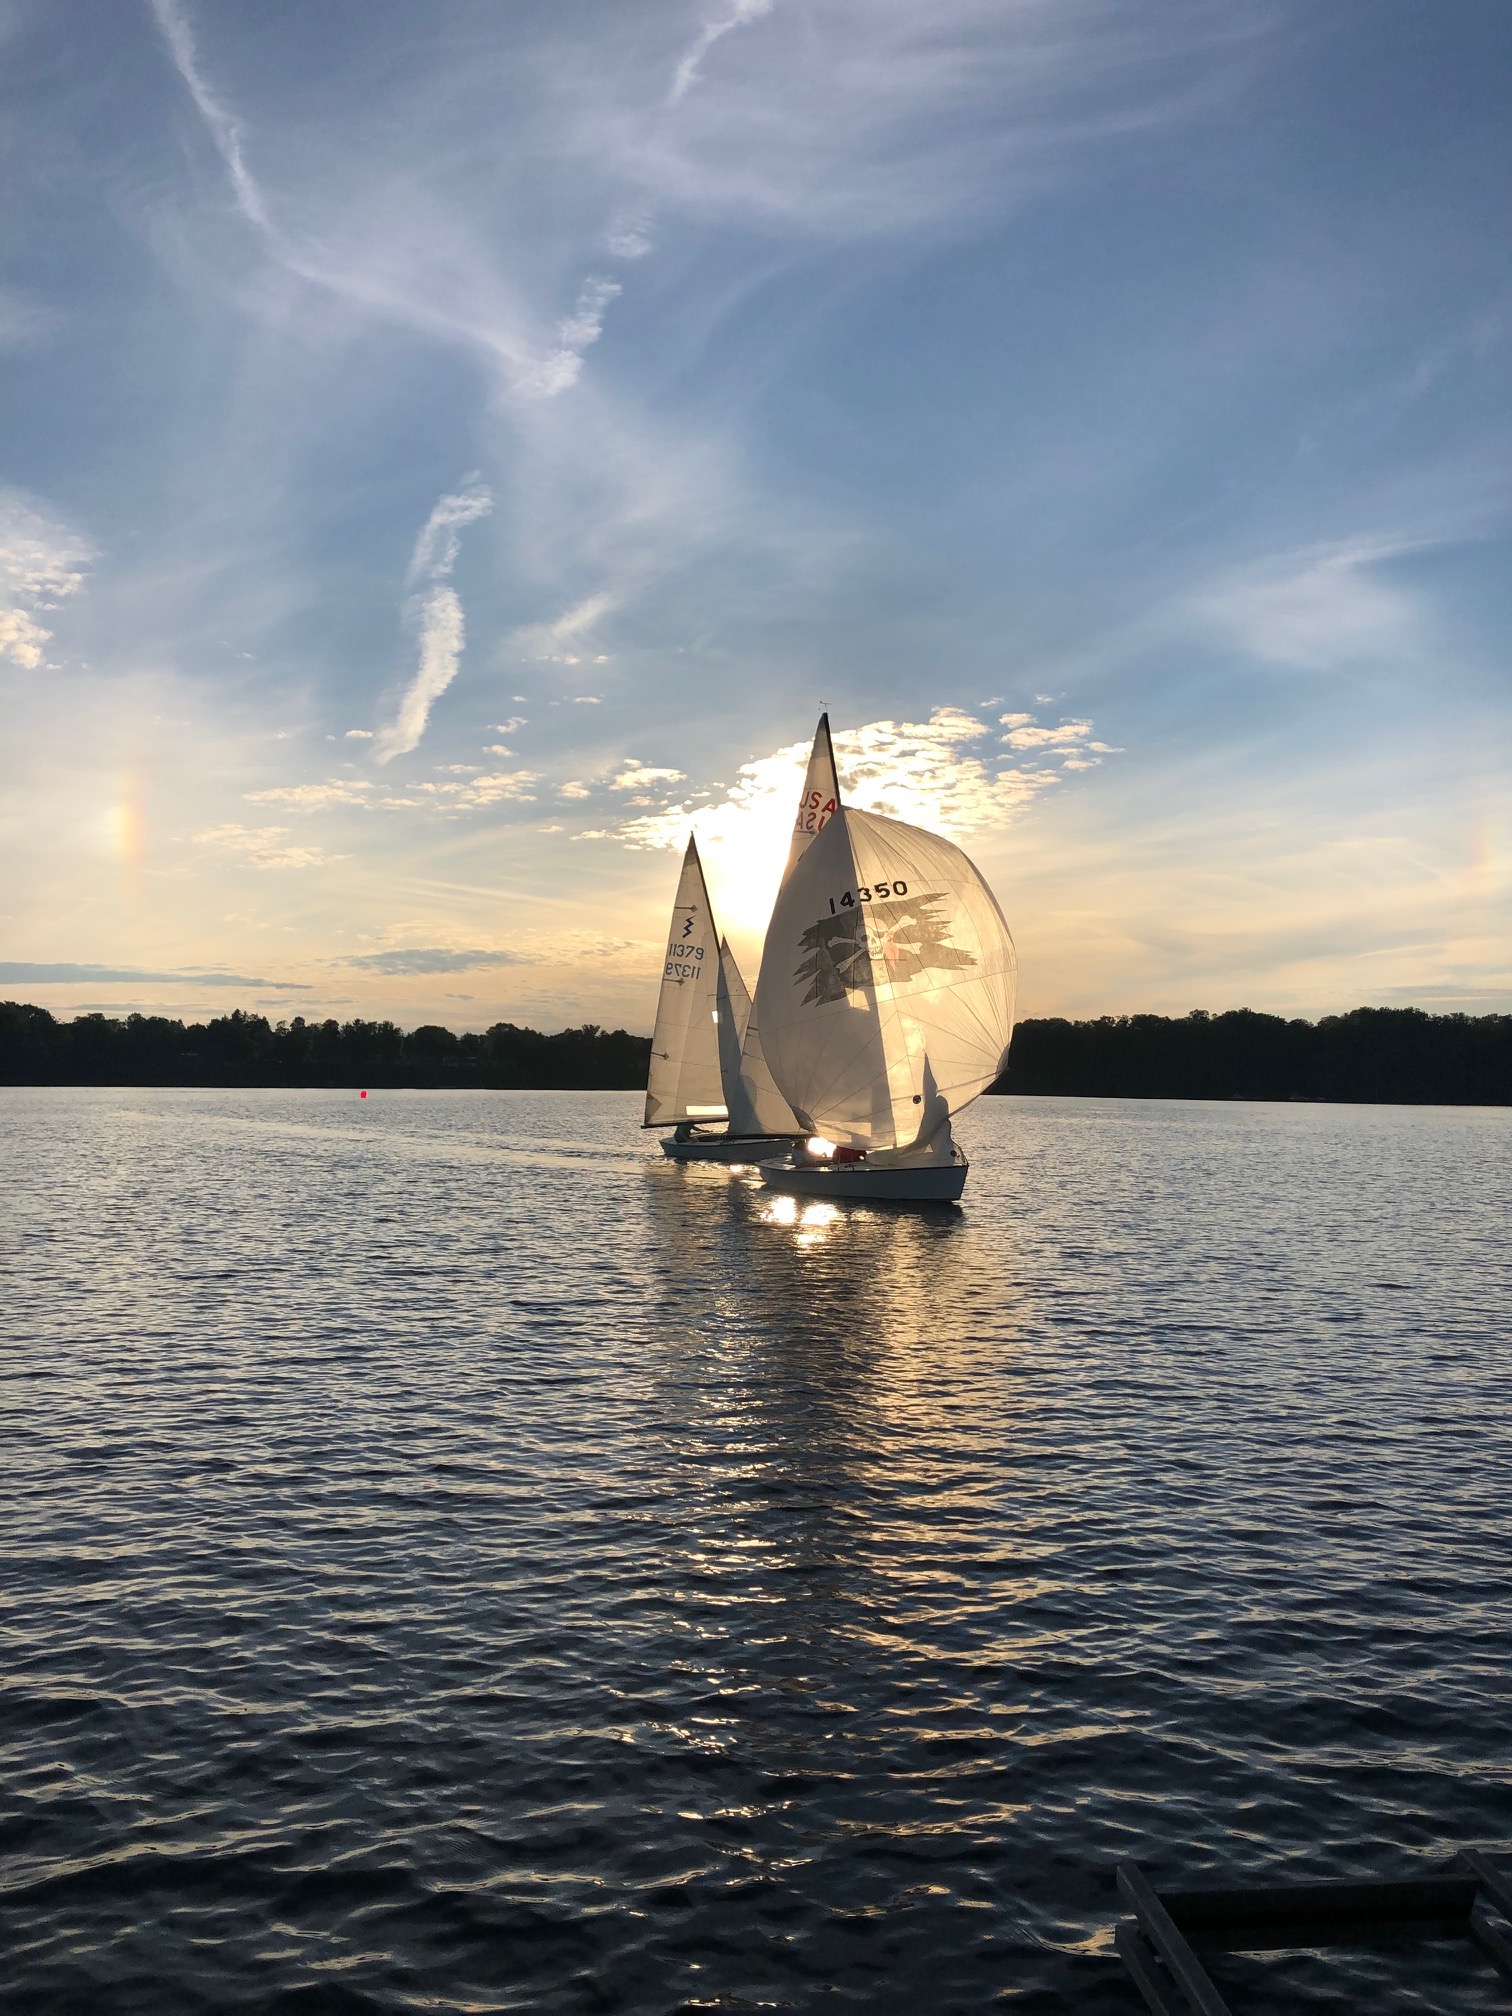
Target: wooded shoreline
x=1387, y=1056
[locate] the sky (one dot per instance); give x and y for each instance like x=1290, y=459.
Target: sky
x=450, y=453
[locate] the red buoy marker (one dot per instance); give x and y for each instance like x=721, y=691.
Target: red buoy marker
x=362, y=1095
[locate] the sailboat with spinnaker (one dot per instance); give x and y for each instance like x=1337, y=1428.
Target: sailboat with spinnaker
x=885, y=1005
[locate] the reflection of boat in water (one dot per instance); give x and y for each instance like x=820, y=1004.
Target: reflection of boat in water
x=884, y=1005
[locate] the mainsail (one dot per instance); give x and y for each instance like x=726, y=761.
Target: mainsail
x=885, y=1000
x=684, y=1081
x=820, y=800
x=755, y=1104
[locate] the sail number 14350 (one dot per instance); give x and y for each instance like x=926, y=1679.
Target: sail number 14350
x=877, y=890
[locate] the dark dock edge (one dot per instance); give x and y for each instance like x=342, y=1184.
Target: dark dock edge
x=1155, y=1948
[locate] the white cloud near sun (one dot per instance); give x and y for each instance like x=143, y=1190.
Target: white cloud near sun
x=927, y=773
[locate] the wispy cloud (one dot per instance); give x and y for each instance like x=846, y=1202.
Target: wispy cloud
x=562, y=642
x=437, y=615
x=1024, y=733
x=495, y=788
x=418, y=959
x=686, y=74
x=635, y=776
x=1318, y=609
x=316, y=797
x=41, y=564
x=837, y=120
x=264, y=846
x=224, y=129
x=582, y=328
x=465, y=787
x=56, y=972
x=862, y=116
x=440, y=539
x=23, y=320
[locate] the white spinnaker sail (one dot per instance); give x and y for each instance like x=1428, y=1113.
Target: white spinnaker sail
x=888, y=972
x=684, y=1081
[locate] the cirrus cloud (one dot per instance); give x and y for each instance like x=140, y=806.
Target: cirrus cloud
x=264, y=847
x=437, y=615
x=42, y=563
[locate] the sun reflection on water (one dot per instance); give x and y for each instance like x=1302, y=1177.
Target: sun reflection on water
x=811, y=1221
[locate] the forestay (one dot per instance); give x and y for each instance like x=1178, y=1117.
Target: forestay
x=684, y=1080
x=888, y=972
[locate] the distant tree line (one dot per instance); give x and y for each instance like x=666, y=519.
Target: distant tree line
x=1388, y=1056
x=242, y=1049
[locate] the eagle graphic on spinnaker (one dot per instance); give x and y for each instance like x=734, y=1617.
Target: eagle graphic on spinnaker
x=890, y=940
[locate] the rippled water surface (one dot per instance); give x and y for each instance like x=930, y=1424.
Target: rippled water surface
x=455, y=1561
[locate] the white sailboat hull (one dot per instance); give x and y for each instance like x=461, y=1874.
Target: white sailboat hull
x=719, y=1148
x=928, y=1183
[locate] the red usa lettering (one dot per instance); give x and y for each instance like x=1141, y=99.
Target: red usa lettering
x=814, y=813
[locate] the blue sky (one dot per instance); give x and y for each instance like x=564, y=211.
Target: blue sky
x=449, y=451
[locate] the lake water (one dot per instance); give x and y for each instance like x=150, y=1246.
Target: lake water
x=454, y=1560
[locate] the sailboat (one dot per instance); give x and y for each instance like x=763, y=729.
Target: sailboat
x=697, y=1046
x=885, y=1006
x=683, y=1085
x=759, y=1120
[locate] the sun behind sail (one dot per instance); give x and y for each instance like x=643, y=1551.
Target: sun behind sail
x=756, y=1106
x=684, y=1081
x=885, y=1000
